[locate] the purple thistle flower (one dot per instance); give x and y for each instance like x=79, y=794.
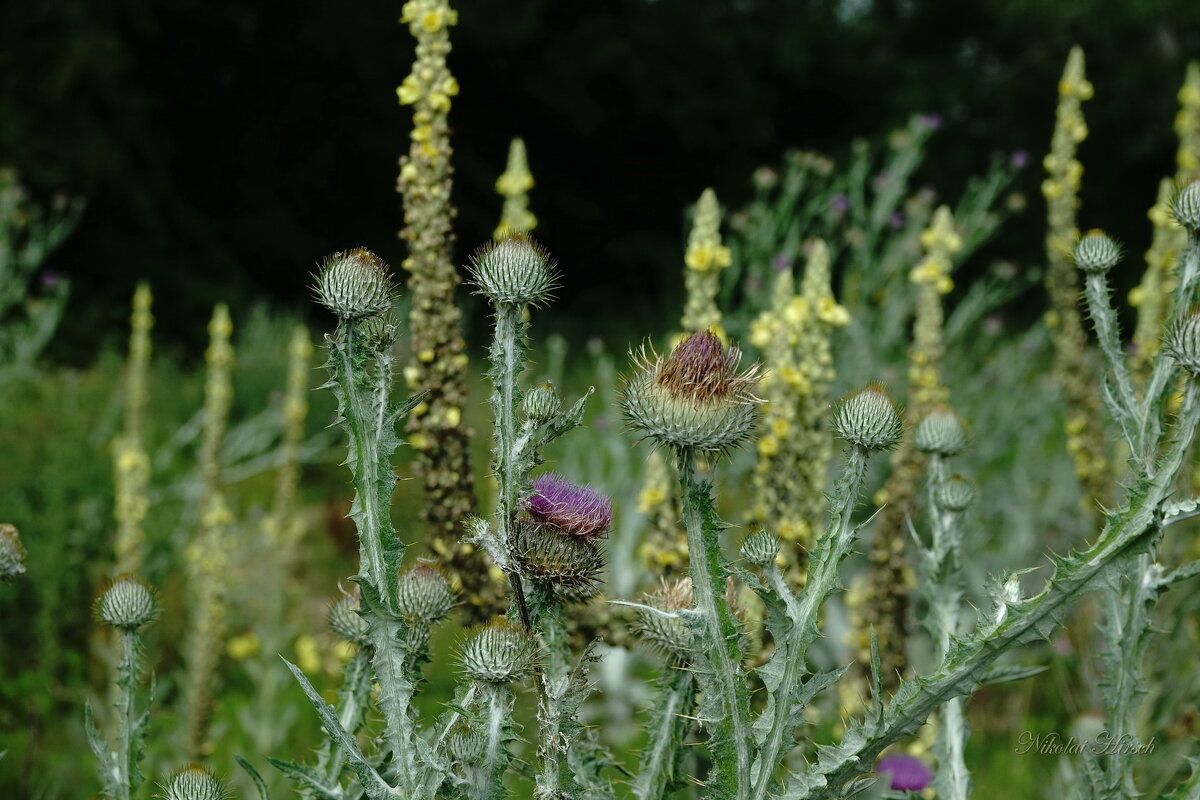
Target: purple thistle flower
x=577, y=510
x=781, y=262
x=1019, y=159
x=840, y=203
x=908, y=773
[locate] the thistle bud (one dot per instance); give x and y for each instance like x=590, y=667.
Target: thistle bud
x=127, y=604
x=667, y=635
x=513, y=271
x=379, y=333
x=499, y=652
x=424, y=595
x=1186, y=207
x=869, y=419
x=467, y=747
x=345, y=620
x=761, y=548
x=12, y=553
x=1096, y=252
x=355, y=285
x=1183, y=342
x=194, y=783
x=578, y=510
x=940, y=432
x=955, y=494
x=542, y=403
x=694, y=399
x=546, y=553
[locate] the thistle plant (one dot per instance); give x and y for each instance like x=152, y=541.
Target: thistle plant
x=1072, y=367
x=207, y=555
x=883, y=604
x=793, y=336
x=126, y=605
x=438, y=363
x=131, y=463
x=514, y=185
x=12, y=553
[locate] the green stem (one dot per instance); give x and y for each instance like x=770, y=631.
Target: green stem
x=127, y=714
x=353, y=697
x=667, y=730
x=1109, y=334
x=720, y=640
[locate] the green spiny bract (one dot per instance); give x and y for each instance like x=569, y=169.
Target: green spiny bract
x=194, y=783
x=1096, y=252
x=660, y=627
x=1186, y=207
x=869, y=419
x=542, y=403
x=1183, y=342
x=941, y=432
x=761, y=548
x=954, y=494
x=355, y=284
x=514, y=271
x=499, y=652
x=424, y=595
x=127, y=604
x=345, y=620
x=696, y=398
x=12, y=553
x=546, y=553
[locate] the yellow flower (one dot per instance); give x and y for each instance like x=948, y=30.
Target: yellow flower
x=409, y=91
x=242, y=647
x=308, y=658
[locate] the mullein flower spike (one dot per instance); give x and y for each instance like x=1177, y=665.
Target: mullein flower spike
x=499, y=652
x=697, y=398
x=127, y=604
x=195, y=783
x=355, y=285
x=12, y=553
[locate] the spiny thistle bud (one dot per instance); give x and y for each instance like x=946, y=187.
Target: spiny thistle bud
x=424, y=594
x=194, y=783
x=499, y=652
x=127, y=604
x=869, y=418
x=955, y=494
x=546, y=553
x=694, y=399
x=761, y=548
x=542, y=403
x=514, y=271
x=355, y=284
x=941, y=432
x=578, y=510
x=345, y=620
x=1183, y=342
x=1096, y=252
x=1186, y=207
x=379, y=333
x=668, y=635
x=467, y=746
x=12, y=553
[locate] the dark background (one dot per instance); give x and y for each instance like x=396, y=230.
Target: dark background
x=225, y=146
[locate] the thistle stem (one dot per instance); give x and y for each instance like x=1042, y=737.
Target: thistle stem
x=128, y=672
x=720, y=630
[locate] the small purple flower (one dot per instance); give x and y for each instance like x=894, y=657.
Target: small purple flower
x=1019, y=159
x=897, y=221
x=931, y=121
x=908, y=773
x=51, y=278
x=577, y=510
x=781, y=262
x=840, y=203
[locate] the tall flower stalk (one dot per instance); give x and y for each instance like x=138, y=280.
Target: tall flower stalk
x=131, y=463
x=514, y=185
x=705, y=257
x=1072, y=364
x=437, y=367
x=207, y=555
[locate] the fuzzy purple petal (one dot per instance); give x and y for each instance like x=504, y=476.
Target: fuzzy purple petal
x=908, y=773
x=573, y=509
